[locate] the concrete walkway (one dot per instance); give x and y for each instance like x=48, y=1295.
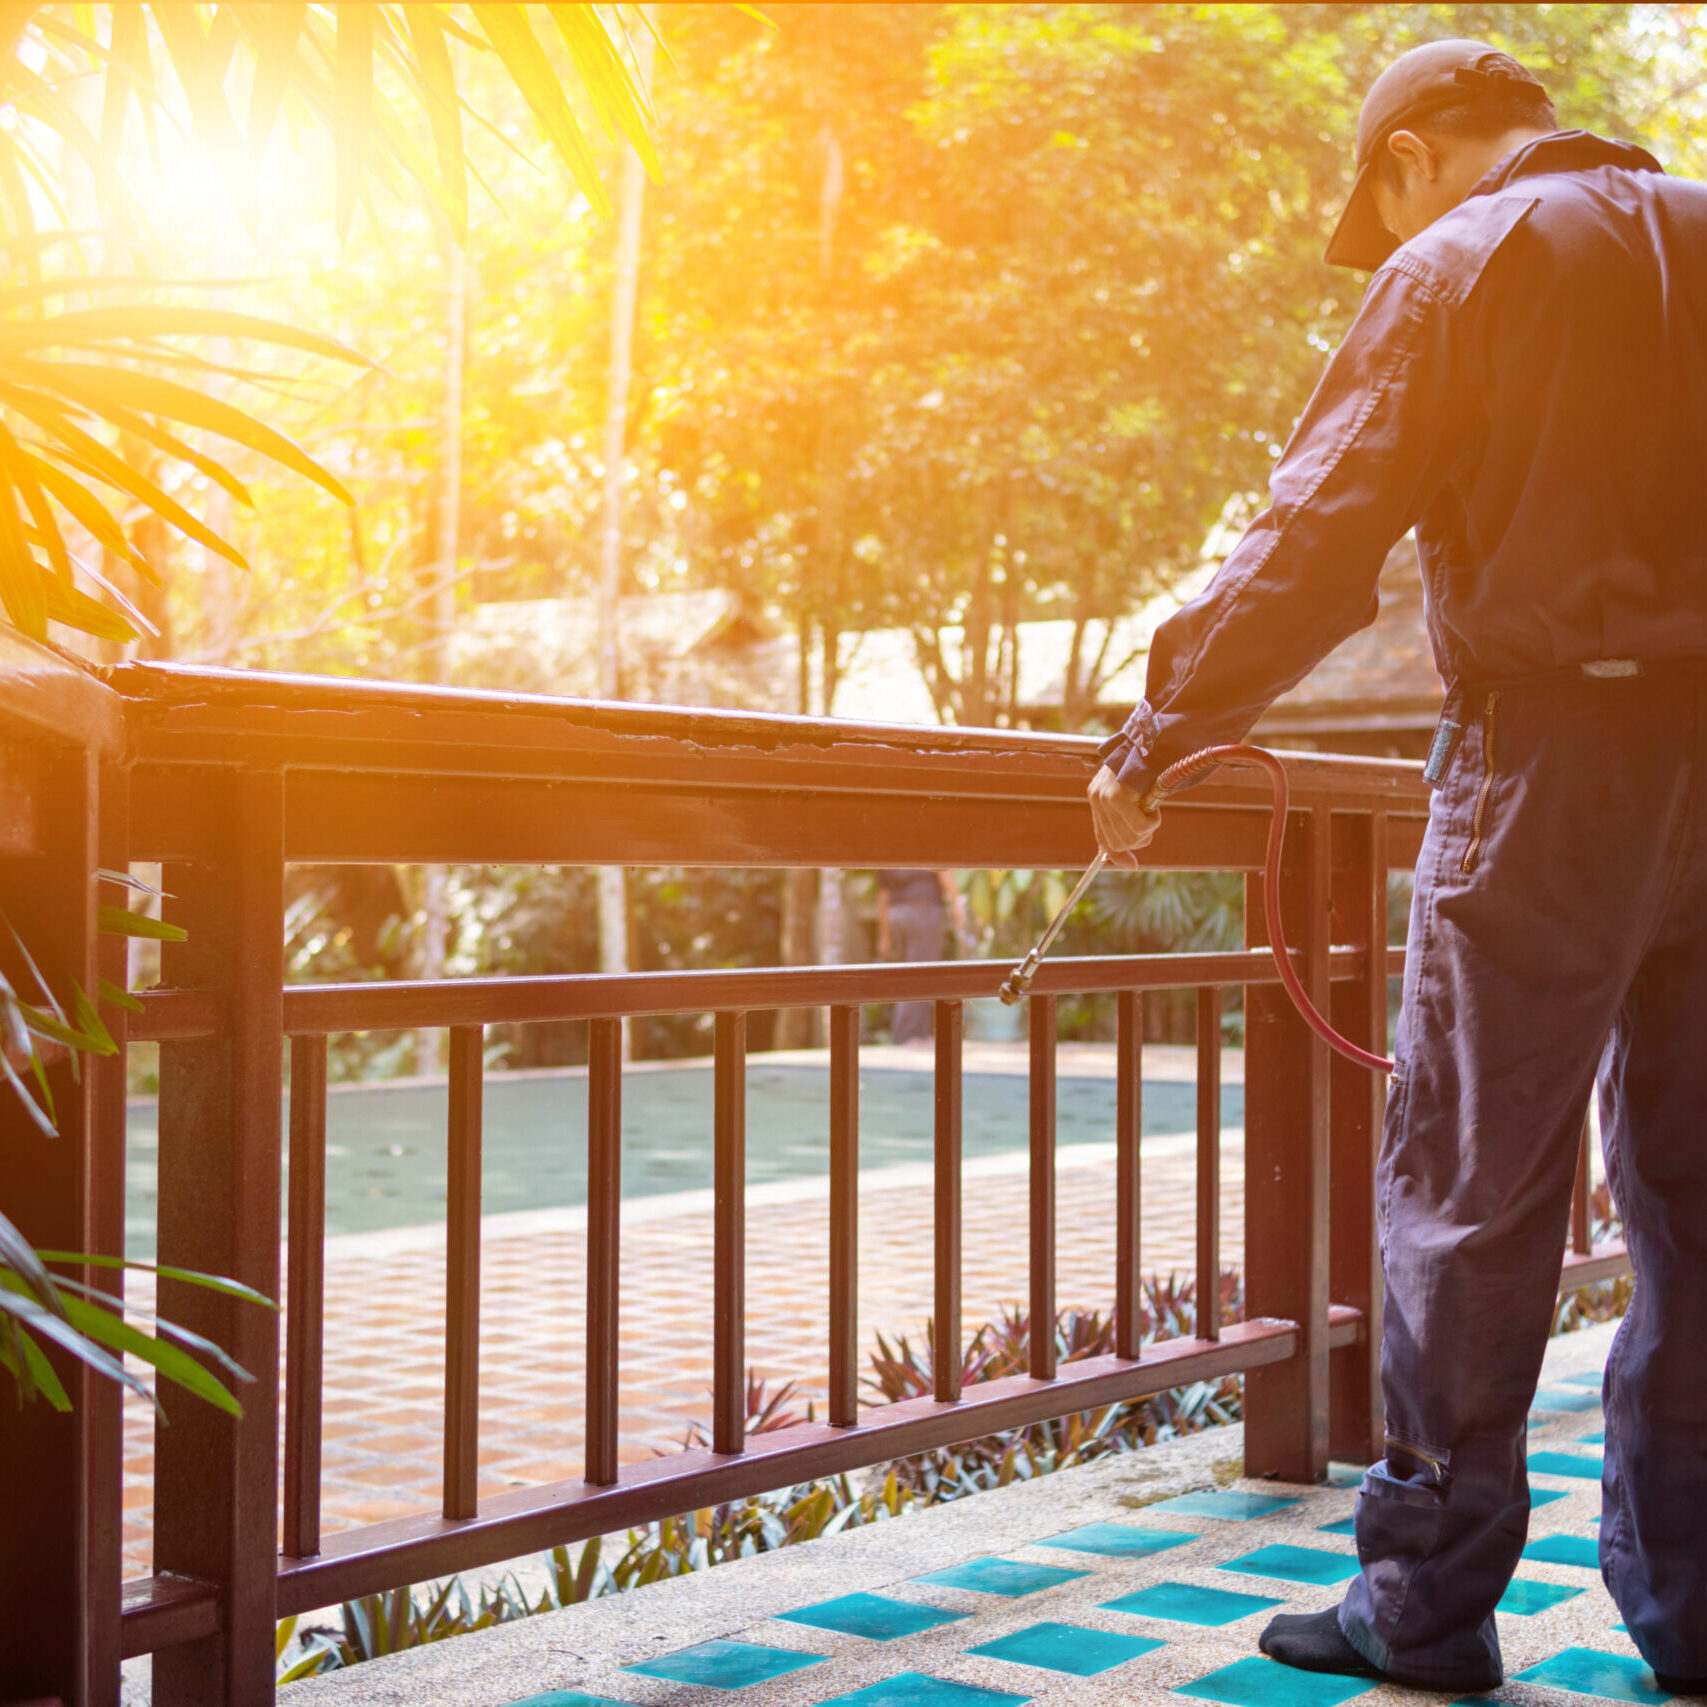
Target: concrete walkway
x=1098, y=1586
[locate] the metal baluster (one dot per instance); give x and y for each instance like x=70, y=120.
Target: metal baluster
x=1042, y=1337
x=729, y=1410
x=1128, y=1185
x=1209, y=1164
x=604, y=1209
x=462, y=1273
x=305, y=1299
x=945, y=1360
x=844, y=1216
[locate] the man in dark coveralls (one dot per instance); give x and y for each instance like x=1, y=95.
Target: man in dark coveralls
x=1526, y=385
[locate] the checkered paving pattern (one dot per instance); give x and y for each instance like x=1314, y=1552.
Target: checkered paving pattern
x=1163, y=1602
x=1171, y=1600
x=384, y=1367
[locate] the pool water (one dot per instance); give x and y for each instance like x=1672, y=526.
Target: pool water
x=385, y=1143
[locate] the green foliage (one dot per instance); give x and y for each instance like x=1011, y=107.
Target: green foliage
x=39, y=1308
x=353, y=923
x=968, y=316
x=903, y=1370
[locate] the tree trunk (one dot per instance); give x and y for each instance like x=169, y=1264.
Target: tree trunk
x=631, y=198
x=447, y=530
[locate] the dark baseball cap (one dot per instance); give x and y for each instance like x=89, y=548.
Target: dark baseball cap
x=1435, y=75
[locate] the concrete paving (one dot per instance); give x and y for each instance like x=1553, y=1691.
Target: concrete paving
x=1141, y=1652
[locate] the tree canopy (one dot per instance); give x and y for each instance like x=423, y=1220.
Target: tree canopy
x=951, y=316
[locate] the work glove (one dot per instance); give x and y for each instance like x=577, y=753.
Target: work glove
x=1123, y=823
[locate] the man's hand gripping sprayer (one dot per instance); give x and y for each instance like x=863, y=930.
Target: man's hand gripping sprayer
x=1175, y=777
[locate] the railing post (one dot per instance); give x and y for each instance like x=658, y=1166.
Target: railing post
x=216, y=1479
x=59, y=1558
x=1286, y=1161
x=1359, y=1100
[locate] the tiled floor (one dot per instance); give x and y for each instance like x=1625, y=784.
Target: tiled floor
x=997, y=1600
x=384, y=1368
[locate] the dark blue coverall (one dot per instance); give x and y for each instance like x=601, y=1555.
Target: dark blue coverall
x=1526, y=384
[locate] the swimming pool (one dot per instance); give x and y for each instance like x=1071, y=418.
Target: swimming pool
x=385, y=1143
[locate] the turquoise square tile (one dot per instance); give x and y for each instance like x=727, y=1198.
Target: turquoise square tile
x=1345, y=1526
x=873, y=1615
x=1296, y=1565
x=1000, y=1576
x=1527, y=1598
x=1578, y=1464
x=1587, y=1671
x=1118, y=1540
x=1584, y=1378
x=1345, y=1475
x=1226, y=1503
x=914, y=1689
x=1565, y=1550
x=1185, y=1603
x=1561, y=1399
x=725, y=1665
x=1264, y=1683
x=1068, y=1647
x=1539, y=1497
x=568, y=1698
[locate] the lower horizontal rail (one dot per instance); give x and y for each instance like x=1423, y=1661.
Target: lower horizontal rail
x=1589, y=1268
x=160, y=1612
x=417, y=1549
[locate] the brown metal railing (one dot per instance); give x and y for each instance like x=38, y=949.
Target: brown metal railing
x=225, y=778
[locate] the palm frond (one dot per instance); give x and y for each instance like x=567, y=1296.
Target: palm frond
x=80, y=387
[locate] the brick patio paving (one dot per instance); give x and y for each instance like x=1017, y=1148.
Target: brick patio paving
x=384, y=1306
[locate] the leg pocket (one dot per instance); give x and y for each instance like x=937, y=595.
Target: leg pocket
x=1399, y=1528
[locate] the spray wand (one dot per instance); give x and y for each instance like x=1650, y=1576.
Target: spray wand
x=1175, y=777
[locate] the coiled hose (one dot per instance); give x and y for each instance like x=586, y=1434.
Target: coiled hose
x=1175, y=777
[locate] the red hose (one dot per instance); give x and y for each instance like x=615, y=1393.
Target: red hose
x=1176, y=776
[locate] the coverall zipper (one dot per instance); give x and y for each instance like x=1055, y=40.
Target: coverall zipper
x=1478, y=822
x=1438, y=1466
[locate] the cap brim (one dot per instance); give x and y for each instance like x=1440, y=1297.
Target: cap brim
x=1360, y=240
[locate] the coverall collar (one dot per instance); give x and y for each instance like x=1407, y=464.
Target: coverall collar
x=1564, y=151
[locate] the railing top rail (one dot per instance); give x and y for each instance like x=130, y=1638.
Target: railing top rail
x=184, y=715
x=45, y=696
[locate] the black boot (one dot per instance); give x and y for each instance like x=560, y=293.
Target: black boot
x=1681, y=1685
x=1313, y=1641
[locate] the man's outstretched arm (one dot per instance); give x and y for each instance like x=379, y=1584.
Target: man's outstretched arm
x=1369, y=452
